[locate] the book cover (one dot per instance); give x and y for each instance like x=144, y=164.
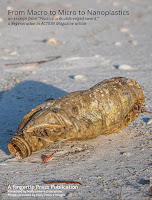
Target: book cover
x=49, y=49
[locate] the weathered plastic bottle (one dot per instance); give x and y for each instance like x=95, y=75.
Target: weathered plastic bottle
x=105, y=108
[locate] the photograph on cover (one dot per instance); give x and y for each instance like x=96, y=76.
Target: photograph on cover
x=75, y=99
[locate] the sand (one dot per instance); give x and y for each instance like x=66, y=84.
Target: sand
x=116, y=166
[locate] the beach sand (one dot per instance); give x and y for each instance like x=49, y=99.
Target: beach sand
x=115, y=166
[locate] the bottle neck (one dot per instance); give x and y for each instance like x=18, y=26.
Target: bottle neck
x=19, y=147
